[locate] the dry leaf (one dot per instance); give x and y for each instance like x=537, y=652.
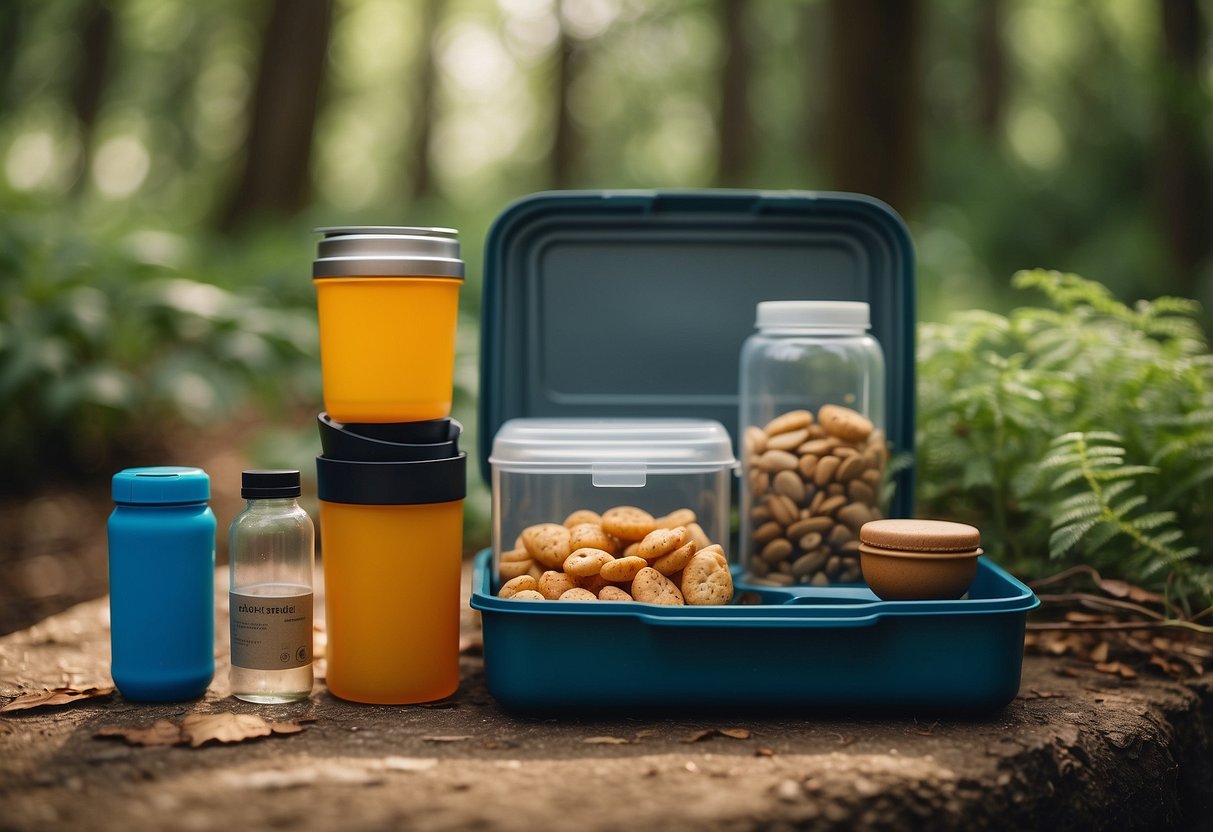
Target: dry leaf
x=1123, y=670
x=198, y=729
x=645, y=732
x=55, y=698
x=1165, y=666
x=1124, y=589
x=708, y=733
x=160, y=732
x=1100, y=653
x=453, y=738
x=764, y=752
x=736, y=733
x=605, y=741
x=1084, y=617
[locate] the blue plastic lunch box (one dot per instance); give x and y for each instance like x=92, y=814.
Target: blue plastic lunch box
x=664, y=284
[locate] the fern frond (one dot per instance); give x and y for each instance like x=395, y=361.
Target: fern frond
x=1066, y=538
x=1107, y=503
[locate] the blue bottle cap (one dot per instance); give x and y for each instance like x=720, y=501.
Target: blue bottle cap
x=161, y=485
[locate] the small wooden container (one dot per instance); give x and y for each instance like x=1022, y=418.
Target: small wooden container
x=918, y=560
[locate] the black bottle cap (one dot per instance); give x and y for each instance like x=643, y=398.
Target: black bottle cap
x=262, y=485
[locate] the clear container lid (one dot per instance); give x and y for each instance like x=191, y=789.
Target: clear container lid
x=599, y=445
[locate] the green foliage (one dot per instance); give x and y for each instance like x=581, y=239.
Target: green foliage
x=1078, y=432
x=108, y=342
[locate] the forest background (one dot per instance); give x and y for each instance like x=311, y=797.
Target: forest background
x=162, y=164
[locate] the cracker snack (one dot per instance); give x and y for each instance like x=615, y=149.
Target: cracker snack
x=623, y=555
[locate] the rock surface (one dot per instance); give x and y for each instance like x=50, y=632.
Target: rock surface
x=1077, y=750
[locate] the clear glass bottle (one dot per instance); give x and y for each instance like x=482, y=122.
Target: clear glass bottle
x=814, y=450
x=271, y=546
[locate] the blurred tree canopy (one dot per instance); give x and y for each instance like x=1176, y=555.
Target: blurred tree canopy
x=153, y=140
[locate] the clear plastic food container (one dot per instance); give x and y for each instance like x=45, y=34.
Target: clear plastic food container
x=543, y=470
x=812, y=423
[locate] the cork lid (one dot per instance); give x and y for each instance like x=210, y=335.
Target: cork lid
x=938, y=536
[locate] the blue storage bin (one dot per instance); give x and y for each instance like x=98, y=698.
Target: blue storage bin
x=635, y=304
x=840, y=648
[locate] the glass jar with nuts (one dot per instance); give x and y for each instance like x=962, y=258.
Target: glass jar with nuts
x=814, y=447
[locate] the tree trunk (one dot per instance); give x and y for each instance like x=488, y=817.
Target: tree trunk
x=736, y=119
x=12, y=20
x=92, y=71
x=420, y=183
x=1183, y=180
x=275, y=178
x=991, y=69
x=564, y=135
x=872, y=143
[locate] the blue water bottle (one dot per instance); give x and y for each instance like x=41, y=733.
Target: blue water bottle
x=162, y=583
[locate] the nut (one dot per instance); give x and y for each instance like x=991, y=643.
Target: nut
x=811, y=484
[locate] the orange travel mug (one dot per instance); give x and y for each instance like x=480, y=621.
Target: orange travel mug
x=391, y=540
x=388, y=301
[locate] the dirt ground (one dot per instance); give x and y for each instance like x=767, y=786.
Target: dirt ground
x=1077, y=750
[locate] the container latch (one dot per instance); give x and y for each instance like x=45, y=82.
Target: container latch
x=618, y=474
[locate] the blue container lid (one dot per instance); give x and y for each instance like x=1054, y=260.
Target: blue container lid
x=610, y=304
x=161, y=485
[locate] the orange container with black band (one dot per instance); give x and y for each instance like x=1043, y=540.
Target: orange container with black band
x=391, y=521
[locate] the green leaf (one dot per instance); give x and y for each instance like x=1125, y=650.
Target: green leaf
x=1065, y=518
x=1065, y=538
x=1070, y=475
x=1123, y=472
x=1153, y=520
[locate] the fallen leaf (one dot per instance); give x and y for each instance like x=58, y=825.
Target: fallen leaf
x=708, y=733
x=764, y=752
x=645, y=732
x=605, y=741
x=226, y=727
x=1117, y=668
x=160, y=732
x=198, y=729
x=1115, y=588
x=1084, y=617
x=736, y=733
x=1100, y=653
x=451, y=738
x=1124, y=589
x=928, y=731
x=1165, y=666
x=55, y=698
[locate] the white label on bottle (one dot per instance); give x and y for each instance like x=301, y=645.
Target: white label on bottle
x=271, y=632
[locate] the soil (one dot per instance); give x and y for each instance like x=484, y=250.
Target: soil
x=1077, y=749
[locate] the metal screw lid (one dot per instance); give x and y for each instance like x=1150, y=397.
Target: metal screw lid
x=387, y=251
